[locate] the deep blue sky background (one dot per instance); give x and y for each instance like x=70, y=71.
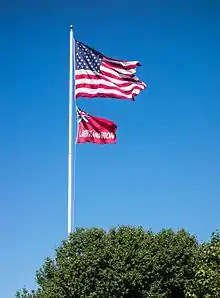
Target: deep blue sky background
x=165, y=169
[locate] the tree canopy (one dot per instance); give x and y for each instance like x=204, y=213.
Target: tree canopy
x=130, y=262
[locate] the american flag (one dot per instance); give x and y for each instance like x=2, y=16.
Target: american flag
x=99, y=76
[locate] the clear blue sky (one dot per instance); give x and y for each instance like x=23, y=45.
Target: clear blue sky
x=165, y=169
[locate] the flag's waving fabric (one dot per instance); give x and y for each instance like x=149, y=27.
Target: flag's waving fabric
x=99, y=76
x=95, y=130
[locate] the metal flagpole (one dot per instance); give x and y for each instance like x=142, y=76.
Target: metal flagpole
x=76, y=132
x=70, y=133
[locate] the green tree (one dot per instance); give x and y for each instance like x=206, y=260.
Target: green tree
x=206, y=282
x=24, y=294
x=124, y=262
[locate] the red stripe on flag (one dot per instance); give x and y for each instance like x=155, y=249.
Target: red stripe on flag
x=105, y=95
x=116, y=65
x=120, y=61
x=121, y=77
x=116, y=72
x=126, y=92
x=106, y=76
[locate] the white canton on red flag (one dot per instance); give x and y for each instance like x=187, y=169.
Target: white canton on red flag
x=99, y=76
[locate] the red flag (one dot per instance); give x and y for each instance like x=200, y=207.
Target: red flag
x=95, y=130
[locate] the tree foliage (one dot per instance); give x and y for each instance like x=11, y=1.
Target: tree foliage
x=206, y=281
x=130, y=262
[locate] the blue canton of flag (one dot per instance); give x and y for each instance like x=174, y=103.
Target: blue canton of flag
x=81, y=116
x=87, y=58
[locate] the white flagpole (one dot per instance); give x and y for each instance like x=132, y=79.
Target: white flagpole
x=70, y=133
